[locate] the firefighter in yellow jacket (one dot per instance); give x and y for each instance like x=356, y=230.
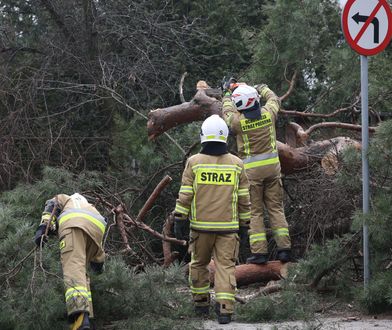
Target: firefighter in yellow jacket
x=214, y=195
x=80, y=229
x=254, y=127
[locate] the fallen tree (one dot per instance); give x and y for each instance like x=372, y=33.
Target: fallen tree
x=295, y=155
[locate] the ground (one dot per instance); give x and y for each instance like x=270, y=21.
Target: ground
x=336, y=314
x=322, y=323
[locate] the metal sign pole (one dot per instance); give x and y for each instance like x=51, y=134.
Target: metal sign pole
x=367, y=27
x=365, y=165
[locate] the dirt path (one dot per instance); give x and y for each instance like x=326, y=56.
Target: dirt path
x=330, y=323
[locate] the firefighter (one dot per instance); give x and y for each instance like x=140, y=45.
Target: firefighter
x=80, y=228
x=254, y=127
x=214, y=195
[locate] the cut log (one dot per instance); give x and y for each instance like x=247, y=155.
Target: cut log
x=250, y=273
x=295, y=160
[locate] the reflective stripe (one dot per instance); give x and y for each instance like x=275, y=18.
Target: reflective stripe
x=89, y=296
x=203, y=290
x=228, y=116
x=96, y=219
x=181, y=209
x=97, y=216
x=281, y=231
x=245, y=215
x=260, y=157
x=262, y=163
x=45, y=216
x=243, y=192
x=77, y=291
x=234, y=203
x=214, y=137
x=273, y=139
x=214, y=225
x=218, y=167
x=246, y=145
x=257, y=237
x=224, y=296
x=186, y=189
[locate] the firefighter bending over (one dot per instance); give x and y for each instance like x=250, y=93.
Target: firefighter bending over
x=80, y=228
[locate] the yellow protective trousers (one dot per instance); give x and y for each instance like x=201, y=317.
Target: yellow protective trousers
x=223, y=248
x=77, y=250
x=267, y=191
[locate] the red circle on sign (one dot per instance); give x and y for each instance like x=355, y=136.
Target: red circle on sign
x=350, y=40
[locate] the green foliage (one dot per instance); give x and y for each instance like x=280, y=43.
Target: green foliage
x=329, y=265
x=351, y=163
x=148, y=299
x=32, y=294
x=306, y=37
x=225, y=36
x=377, y=297
x=290, y=305
x=299, y=37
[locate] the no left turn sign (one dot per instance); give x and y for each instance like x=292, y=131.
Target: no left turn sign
x=367, y=25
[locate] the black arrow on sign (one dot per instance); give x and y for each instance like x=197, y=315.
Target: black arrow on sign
x=360, y=18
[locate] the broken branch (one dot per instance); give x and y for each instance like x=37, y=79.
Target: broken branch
x=151, y=200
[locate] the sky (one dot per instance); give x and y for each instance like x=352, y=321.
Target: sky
x=342, y=2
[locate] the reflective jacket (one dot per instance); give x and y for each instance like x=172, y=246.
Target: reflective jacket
x=73, y=211
x=256, y=138
x=214, y=193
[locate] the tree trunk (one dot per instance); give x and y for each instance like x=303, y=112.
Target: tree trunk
x=206, y=102
x=199, y=108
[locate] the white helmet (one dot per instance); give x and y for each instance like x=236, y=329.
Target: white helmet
x=79, y=200
x=215, y=129
x=245, y=97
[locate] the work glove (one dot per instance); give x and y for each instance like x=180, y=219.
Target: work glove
x=228, y=85
x=96, y=267
x=40, y=235
x=243, y=234
x=181, y=227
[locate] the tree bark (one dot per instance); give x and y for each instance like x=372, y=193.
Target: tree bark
x=250, y=273
x=168, y=255
x=151, y=200
x=199, y=108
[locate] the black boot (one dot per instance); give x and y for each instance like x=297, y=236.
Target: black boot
x=223, y=318
x=284, y=255
x=82, y=322
x=257, y=258
x=202, y=311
